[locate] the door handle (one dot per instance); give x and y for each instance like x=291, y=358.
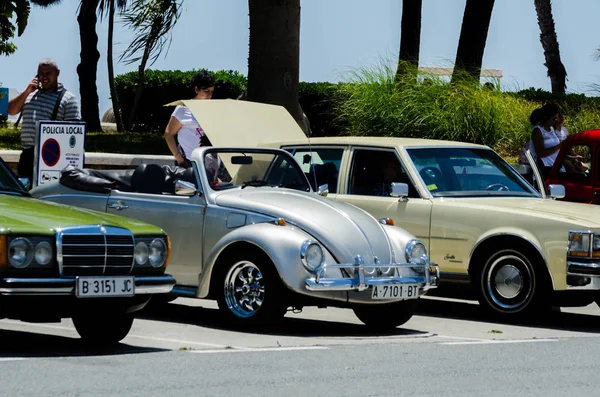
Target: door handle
x=118, y=205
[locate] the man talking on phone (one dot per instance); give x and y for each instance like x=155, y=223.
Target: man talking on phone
x=43, y=99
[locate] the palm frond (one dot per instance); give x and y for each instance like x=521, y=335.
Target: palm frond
x=22, y=10
x=152, y=20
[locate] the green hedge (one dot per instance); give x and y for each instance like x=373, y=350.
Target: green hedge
x=164, y=86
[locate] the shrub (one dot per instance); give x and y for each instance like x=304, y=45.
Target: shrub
x=164, y=86
x=373, y=103
x=317, y=101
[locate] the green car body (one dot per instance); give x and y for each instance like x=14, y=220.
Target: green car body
x=58, y=261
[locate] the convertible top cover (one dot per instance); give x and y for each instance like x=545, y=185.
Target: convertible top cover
x=146, y=178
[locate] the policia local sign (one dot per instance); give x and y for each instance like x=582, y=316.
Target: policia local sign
x=59, y=144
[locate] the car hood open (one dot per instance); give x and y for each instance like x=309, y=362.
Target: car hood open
x=345, y=230
x=29, y=215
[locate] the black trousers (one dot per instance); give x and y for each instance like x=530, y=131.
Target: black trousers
x=25, y=166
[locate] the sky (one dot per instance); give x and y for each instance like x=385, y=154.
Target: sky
x=336, y=37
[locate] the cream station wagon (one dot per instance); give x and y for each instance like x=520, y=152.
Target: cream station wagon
x=485, y=225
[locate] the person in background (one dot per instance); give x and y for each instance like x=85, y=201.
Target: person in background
x=544, y=143
x=184, y=125
x=572, y=160
x=43, y=99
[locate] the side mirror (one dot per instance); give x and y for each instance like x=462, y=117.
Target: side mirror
x=184, y=188
x=323, y=190
x=399, y=190
x=557, y=191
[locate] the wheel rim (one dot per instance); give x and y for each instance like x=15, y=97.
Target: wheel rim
x=244, y=289
x=509, y=282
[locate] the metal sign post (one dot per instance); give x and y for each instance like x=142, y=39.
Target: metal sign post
x=59, y=144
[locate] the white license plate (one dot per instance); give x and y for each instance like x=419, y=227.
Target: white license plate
x=403, y=291
x=92, y=287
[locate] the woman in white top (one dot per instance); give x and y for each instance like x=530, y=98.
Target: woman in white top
x=184, y=125
x=544, y=142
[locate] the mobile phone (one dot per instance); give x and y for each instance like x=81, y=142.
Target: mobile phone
x=39, y=83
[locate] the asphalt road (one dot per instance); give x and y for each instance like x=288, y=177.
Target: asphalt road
x=448, y=349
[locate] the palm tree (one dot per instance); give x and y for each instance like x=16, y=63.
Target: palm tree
x=410, y=38
x=153, y=21
x=556, y=69
x=87, y=69
x=274, y=54
x=473, y=36
x=20, y=9
x=110, y=7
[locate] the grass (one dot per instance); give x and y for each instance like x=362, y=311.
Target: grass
x=111, y=142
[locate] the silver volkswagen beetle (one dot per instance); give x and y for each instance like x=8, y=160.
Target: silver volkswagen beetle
x=247, y=230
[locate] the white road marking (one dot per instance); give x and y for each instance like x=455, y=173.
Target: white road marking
x=461, y=338
x=498, y=341
x=12, y=358
x=260, y=349
x=184, y=342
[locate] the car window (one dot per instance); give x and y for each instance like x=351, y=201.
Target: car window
x=227, y=168
x=8, y=181
x=321, y=166
x=466, y=172
x=577, y=164
x=373, y=171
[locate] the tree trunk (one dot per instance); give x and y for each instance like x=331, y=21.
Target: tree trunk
x=473, y=36
x=111, y=72
x=410, y=38
x=88, y=66
x=141, y=78
x=556, y=69
x=274, y=54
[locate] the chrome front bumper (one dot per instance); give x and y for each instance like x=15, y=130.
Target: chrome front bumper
x=583, y=275
x=66, y=286
x=427, y=276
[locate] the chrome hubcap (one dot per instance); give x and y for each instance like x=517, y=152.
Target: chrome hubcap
x=509, y=282
x=244, y=289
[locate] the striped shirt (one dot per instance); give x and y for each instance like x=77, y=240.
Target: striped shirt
x=39, y=106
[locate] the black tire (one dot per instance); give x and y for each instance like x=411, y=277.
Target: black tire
x=103, y=329
x=249, y=290
x=511, y=284
x=386, y=316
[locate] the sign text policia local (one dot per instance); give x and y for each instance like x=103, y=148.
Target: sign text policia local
x=59, y=144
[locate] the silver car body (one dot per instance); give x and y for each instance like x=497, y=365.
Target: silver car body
x=207, y=223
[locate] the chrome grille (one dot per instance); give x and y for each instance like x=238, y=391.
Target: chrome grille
x=95, y=251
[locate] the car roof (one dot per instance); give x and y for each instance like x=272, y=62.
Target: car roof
x=380, y=141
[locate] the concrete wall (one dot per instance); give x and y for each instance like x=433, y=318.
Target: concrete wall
x=101, y=160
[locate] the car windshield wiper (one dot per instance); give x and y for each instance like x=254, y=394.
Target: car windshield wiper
x=14, y=190
x=258, y=182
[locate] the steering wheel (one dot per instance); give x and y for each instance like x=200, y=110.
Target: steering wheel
x=500, y=187
x=431, y=176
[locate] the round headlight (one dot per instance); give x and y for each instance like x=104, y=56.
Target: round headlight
x=43, y=253
x=20, y=252
x=416, y=252
x=312, y=255
x=158, y=252
x=141, y=253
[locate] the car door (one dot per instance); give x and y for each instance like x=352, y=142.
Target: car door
x=368, y=175
x=182, y=217
x=575, y=173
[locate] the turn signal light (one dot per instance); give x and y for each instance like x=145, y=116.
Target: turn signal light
x=386, y=221
x=3, y=253
x=168, y=251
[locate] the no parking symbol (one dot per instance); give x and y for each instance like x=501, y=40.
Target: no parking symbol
x=50, y=152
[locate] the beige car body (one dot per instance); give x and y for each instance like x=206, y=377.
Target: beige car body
x=454, y=229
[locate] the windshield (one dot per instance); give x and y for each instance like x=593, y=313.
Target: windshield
x=464, y=172
x=227, y=169
x=8, y=182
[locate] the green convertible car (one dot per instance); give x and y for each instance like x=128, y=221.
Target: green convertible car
x=59, y=262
